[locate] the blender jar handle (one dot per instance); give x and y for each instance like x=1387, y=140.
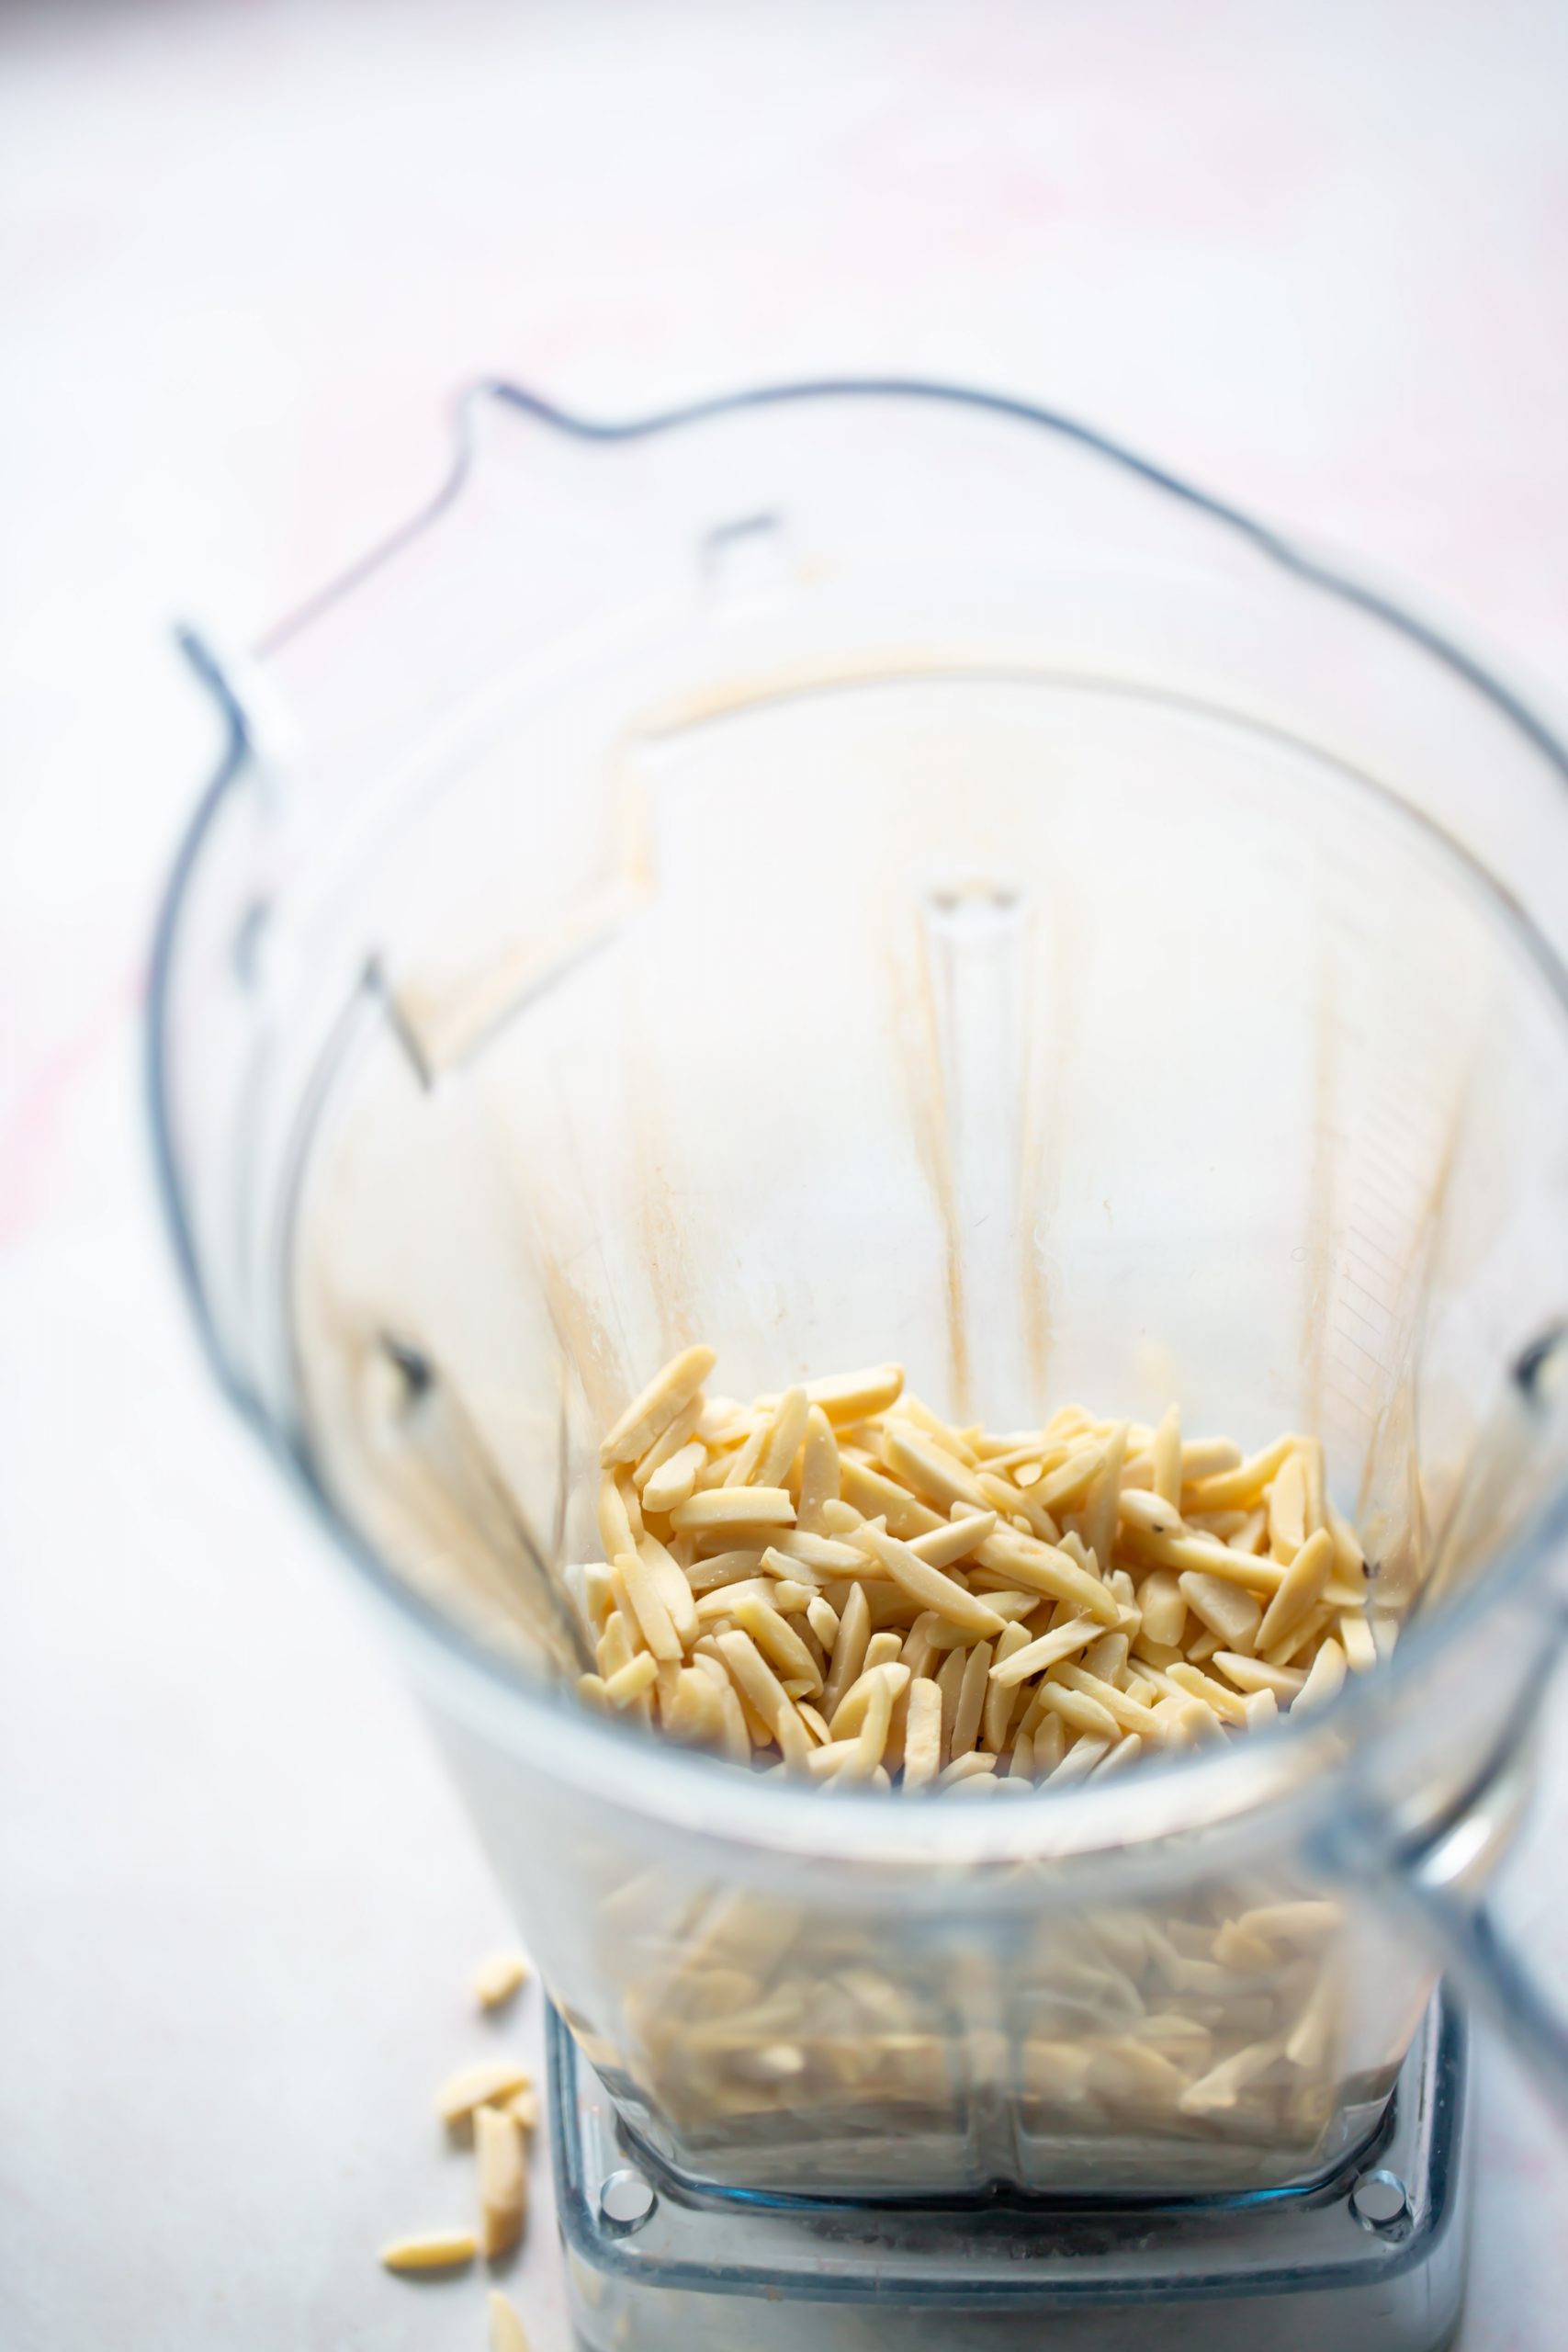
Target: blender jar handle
x=1441, y=1890
x=1491, y=1970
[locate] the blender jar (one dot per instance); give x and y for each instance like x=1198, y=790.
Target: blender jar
x=863, y=872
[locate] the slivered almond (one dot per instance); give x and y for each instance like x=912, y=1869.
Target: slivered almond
x=1065, y=1483
x=435, y=2250
x=1350, y=1560
x=819, y=1471
x=1150, y=1511
x=826, y=1554
x=1355, y=1640
x=673, y=1481
x=724, y=1568
x=1037, y=1656
x=849, y=1651
x=616, y=1531
x=937, y=1477
x=647, y=1416
x=672, y=1586
x=1325, y=1679
x=865, y=1752
x=504, y=2184
x=740, y=1467
x=1300, y=1589
x=922, y=1739
x=1205, y=1551
x=1084, y=1713
x=756, y=1680
x=850, y=1396
x=735, y=1507
x=1287, y=1509
x=695, y=1715
x=943, y=1547
x=1001, y=1697
x=931, y=1588
x=1163, y=1606
x=971, y=1699
x=1213, y=1693
x=497, y=1976
x=492, y=2080
x=778, y=1641
x=1257, y=1674
x=507, y=2332
x=823, y=1620
x=958, y=1443
x=1012, y=1504
x=1100, y=1511
x=629, y=1681
x=784, y=1438
x=1227, y=1608
x=1229, y=1489
x=677, y=1435
x=647, y=1606
x=1301, y=1638
x=1051, y=1569
x=1126, y=1714
x=879, y=1497
x=1208, y=1457
x=1084, y=1757
x=1168, y=1461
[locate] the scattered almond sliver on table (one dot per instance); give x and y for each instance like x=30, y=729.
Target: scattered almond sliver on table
x=434, y=2250
x=505, y=2328
x=835, y=1583
x=497, y=1976
x=498, y=2099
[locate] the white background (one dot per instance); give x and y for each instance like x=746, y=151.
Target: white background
x=1315, y=255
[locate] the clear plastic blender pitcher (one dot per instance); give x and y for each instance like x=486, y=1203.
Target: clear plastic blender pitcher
x=867, y=872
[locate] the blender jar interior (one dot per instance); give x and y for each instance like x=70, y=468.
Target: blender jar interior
x=834, y=962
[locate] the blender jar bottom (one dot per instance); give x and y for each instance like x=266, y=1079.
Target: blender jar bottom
x=1372, y=2261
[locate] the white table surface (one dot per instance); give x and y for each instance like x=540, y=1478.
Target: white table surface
x=1313, y=254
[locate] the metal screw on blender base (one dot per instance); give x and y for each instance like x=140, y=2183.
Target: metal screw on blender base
x=625, y=2201
x=1380, y=2202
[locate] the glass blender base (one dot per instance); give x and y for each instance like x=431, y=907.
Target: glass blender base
x=1372, y=2261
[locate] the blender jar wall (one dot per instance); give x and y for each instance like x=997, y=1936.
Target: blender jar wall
x=797, y=809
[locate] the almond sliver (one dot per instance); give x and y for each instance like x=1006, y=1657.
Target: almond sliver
x=434, y=2250
x=647, y=1414
x=491, y=2080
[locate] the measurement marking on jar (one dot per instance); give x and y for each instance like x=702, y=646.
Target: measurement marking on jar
x=1421, y=1137
x=1379, y=1330
x=1388, y=1307
x=1357, y=1238
x=1357, y=1405
x=1350, y=1341
x=1376, y=1158
x=1401, y=1224
x=1370, y=1391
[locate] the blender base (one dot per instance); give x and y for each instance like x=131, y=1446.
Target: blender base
x=1372, y=2261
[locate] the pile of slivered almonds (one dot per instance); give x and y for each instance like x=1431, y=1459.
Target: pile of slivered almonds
x=835, y=1583
x=496, y=2104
